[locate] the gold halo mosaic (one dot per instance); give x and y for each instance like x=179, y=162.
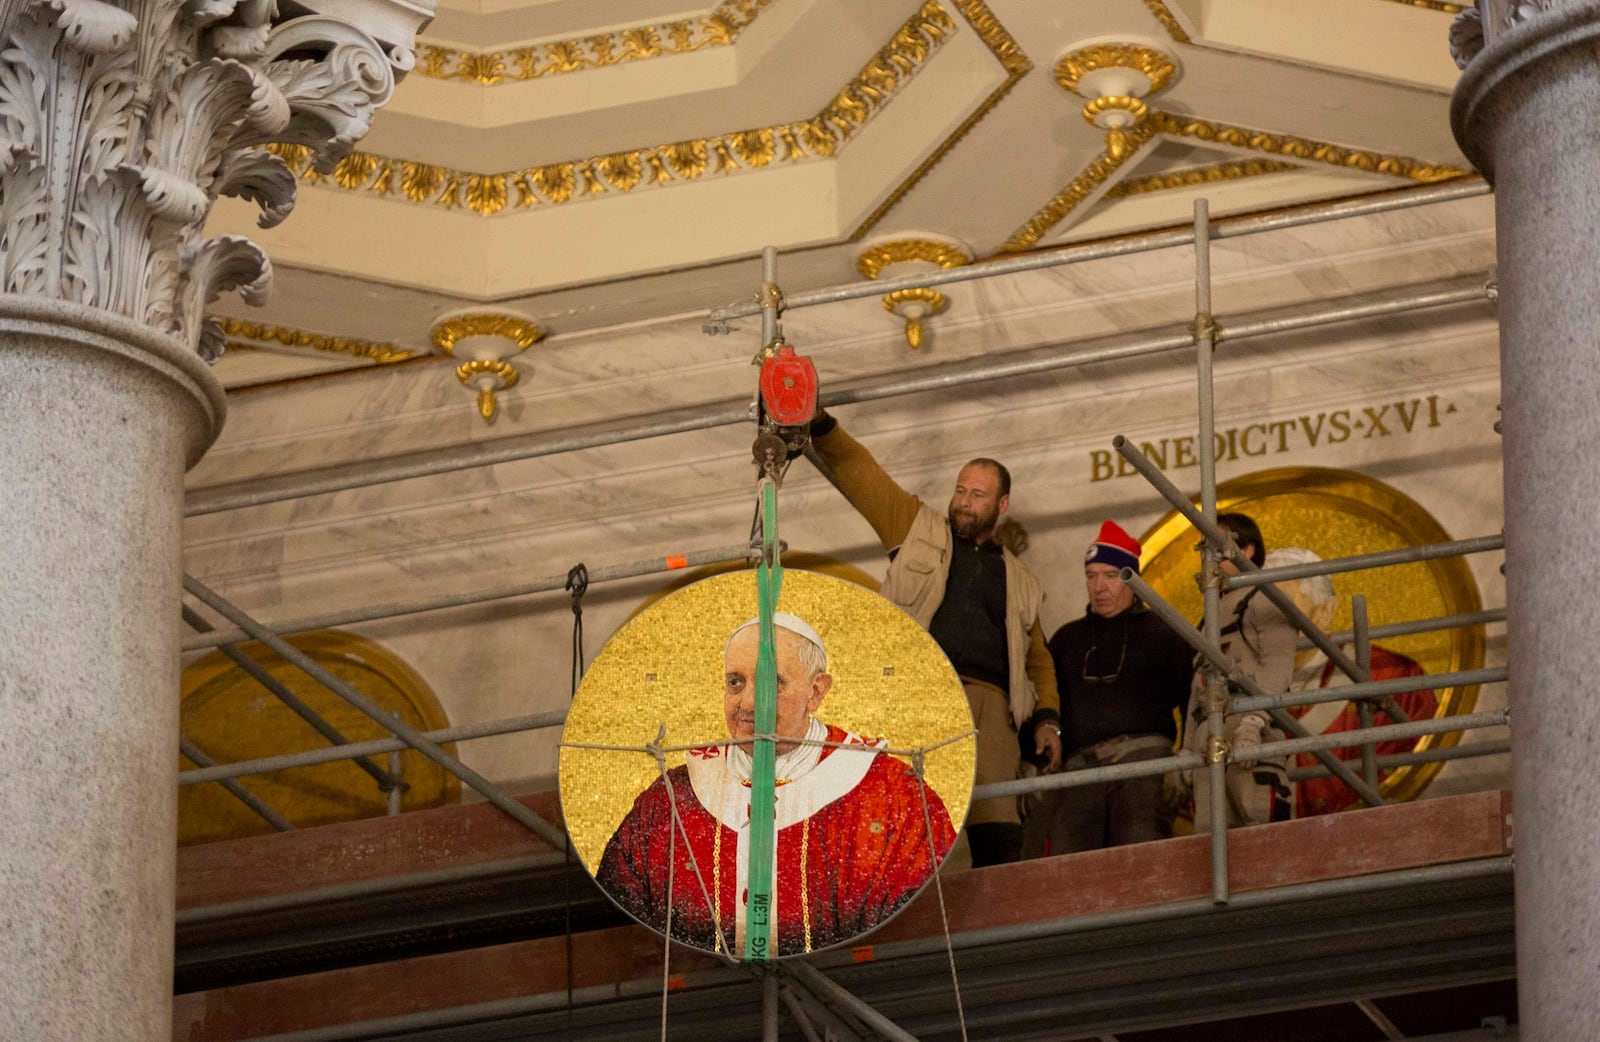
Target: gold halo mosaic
x=858, y=834
x=1339, y=513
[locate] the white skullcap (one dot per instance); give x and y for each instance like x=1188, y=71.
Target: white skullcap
x=785, y=621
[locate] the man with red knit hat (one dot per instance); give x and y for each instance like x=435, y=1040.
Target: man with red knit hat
x=1123, y=676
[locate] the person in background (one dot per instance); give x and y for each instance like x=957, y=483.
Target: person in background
x=1260, y=641
x=1124, y=678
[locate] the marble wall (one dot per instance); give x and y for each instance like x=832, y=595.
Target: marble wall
x=519, y=521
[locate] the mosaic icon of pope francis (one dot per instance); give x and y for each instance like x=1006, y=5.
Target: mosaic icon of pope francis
x=853, y=824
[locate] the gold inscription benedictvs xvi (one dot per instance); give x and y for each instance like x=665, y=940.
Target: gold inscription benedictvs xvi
x=1308, y=431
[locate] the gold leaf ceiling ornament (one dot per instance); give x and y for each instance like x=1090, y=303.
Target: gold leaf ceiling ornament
x=916, y=304
x=486, y=194
x=451, y=329
x=1164, y=123
x=1305, y=149
x=240, y=333
x=721, y=28
x=819, y=137
x=1114, y=78
x=875, y=259
x=1004, y=47
x=1074, y=68
x=488, y=375
x=622, y=171
x=1211, y=174
x=1433, y=5
x=1168, y=22
x=1081, y=187
x=485, y=342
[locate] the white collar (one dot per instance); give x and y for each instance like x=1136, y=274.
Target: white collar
x=809, y=777
x=790, y=766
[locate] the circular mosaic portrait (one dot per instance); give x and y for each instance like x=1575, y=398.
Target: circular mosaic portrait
x=656, y=775
x=1338, y=513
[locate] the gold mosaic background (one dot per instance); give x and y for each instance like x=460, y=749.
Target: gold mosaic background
x=665, y=667
x=1339, y=513
x=231, y=717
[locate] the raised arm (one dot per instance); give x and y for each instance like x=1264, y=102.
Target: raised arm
x=887, y=507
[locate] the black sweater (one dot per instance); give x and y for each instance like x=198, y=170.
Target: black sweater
x=1152, y=667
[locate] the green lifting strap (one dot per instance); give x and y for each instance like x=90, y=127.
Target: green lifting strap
x=763, y=755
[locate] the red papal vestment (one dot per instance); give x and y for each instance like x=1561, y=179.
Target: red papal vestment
x=852, y=846
x=1327, y=795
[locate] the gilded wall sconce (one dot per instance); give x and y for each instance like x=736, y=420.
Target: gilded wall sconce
x=485, y=342
x=902, y=257
x=1114, y=78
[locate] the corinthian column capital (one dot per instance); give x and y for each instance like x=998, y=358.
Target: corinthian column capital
x=120, y=124
x=1494, y=44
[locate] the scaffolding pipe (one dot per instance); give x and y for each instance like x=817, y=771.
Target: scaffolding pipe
x=1402, y=629
x=259, y=673
x=1189, y=761
x=1404, y=555
x=410, y=735
x=733, y=411
x=1215, y=536
x=1036, y=929
x=826, y=989
x=1393, y=760
x=550, y=1001
x=1386, y=733
x=239, y=792
x=631, y=570
x=1364, y=207
x=376, y=747
x=994, y=790
x=1373, y=689
x=1218, y=658
x=380, y=887
x=645, y=988
x=769, y=296
x=1204, y=330
x=798, y=1012
x=769, y=1006
x=1088, y=776
x=1369, y=751
x=463, y=873
x=397, y=791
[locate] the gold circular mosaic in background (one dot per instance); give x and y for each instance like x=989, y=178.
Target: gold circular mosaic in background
x=231, y=717
x=664, y=667
x=1339, y=513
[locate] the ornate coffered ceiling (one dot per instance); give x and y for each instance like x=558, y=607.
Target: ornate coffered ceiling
x=593, y=164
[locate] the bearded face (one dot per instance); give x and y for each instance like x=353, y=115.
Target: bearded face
x=976, y=504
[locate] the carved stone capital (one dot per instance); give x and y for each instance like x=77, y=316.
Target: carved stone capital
x=1499, y=42
x=120, y=126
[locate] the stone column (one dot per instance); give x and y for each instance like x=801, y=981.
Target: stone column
x=1527, y=111
x=120, y=123
x=101, y=418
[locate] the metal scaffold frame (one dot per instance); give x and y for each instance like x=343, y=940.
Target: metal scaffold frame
x=800, y=988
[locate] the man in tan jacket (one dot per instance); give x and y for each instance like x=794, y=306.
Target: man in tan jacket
x=980, y=605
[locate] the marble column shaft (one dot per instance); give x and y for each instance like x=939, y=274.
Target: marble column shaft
x=101, y=417
x=1528, y=113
